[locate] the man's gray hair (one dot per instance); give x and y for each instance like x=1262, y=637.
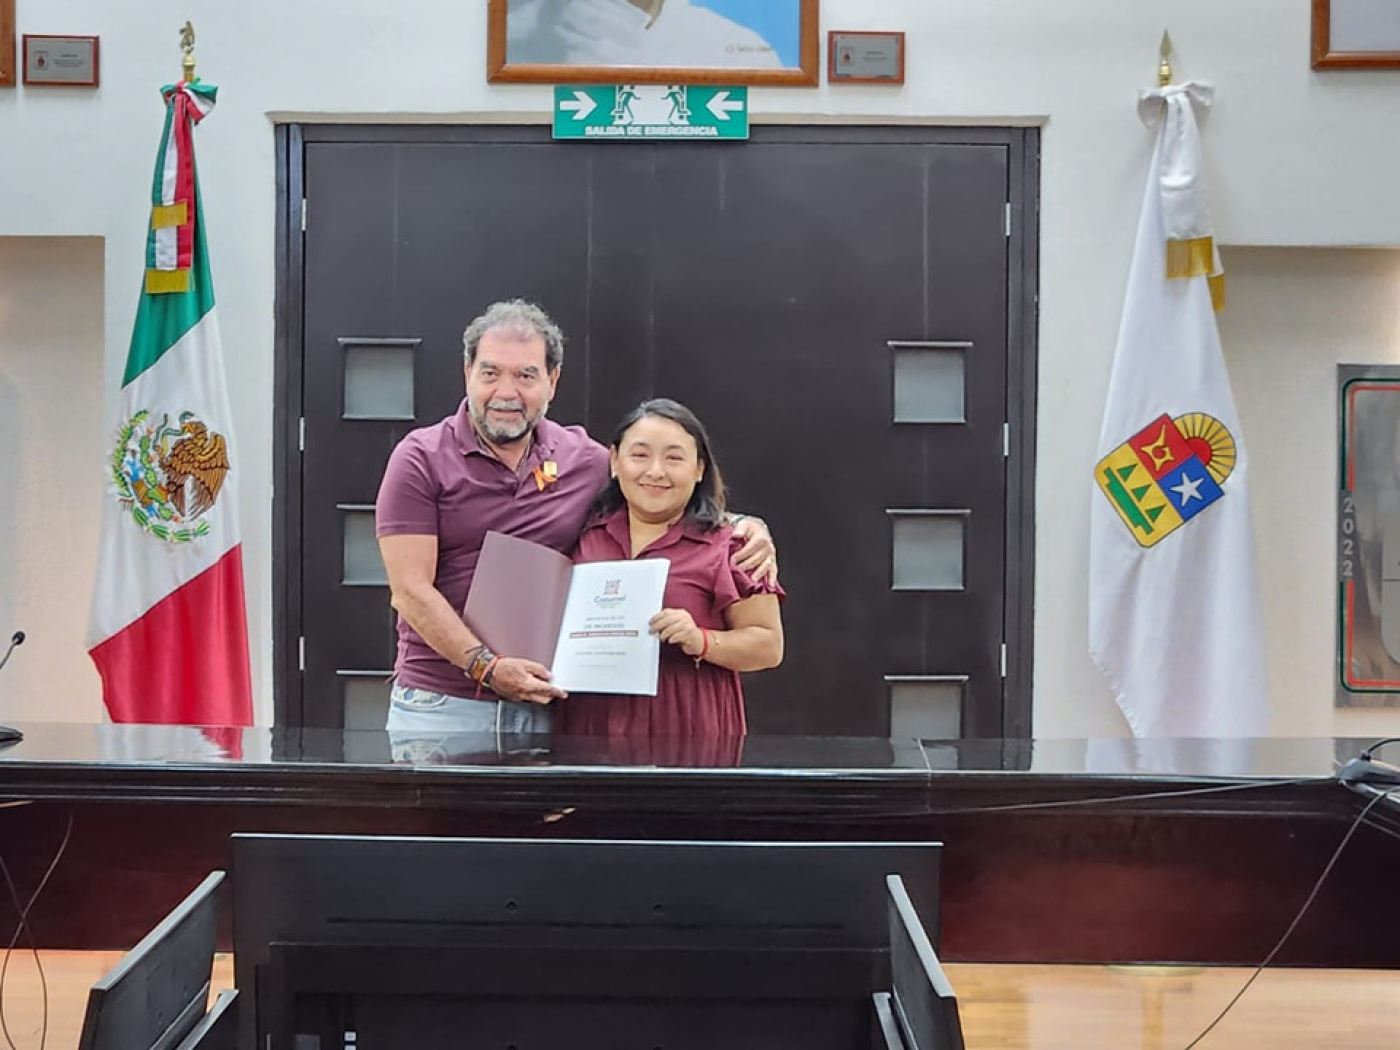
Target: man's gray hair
x=519, y=320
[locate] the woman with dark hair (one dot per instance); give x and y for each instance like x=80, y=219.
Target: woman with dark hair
x=666, y=500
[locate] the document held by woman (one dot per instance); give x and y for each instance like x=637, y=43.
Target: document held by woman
x=588, y=623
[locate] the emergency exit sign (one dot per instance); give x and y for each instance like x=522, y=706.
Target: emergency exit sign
x=629, y=112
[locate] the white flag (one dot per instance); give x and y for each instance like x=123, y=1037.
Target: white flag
x=1175, y=622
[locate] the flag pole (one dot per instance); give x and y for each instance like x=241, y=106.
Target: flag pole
x=187, y=46
x=1164, y=61
x=171, y=555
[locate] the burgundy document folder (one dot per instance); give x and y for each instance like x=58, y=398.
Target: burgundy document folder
x=516, y=601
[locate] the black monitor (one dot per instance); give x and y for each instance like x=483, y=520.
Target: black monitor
x=159, y=991
x=218, y=1029
x=432, y=942
x=921, y=996
x=884, y=1025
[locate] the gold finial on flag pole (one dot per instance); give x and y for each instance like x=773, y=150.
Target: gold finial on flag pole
x=187, y=46
x=653, y=11
x=1164, y=61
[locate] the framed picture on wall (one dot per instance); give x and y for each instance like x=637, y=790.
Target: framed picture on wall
x=7, y=43
x=1368, y=532
x=653, y=42
x=1356, y=34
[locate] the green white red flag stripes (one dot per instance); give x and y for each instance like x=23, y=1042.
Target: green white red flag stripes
x=168, y=627
x=170, y=244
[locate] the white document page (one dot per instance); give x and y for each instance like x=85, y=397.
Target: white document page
x=605, y=644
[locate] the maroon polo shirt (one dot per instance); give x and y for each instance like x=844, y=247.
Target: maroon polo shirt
x=694, y=700
x=441, y=482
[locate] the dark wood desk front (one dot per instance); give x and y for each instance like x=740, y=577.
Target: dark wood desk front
x=1054, y=851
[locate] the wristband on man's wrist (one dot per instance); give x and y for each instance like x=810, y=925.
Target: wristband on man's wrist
x=485, y=679
x=481, y=659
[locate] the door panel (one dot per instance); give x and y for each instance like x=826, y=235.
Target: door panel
x=762, y=284
x=773, y=322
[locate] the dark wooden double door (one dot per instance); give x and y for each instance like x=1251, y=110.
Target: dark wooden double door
x=770, y=285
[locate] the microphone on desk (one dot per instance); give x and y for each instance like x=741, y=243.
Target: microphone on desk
x=16, y=639
x=1370, y=772
x=9, y=734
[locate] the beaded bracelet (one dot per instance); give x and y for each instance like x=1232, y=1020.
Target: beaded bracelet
x=479, y=664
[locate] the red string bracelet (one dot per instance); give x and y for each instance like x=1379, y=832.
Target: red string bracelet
x=704, y=647
x=485, y=678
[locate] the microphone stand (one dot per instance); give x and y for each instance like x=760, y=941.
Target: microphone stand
x=9, y=734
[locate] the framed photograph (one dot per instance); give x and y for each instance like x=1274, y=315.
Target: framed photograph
x=1368, y=536
x=653, y=42
x=7, y=44
x=1356, y=34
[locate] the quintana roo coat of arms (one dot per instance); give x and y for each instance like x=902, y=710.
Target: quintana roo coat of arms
x=1167, y=473
x=169, y=476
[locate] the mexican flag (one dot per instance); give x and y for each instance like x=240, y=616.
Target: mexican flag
x=168, y=628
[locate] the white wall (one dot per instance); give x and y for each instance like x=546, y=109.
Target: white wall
x=1297, y=158
x=1293, y=316
x=50, y=480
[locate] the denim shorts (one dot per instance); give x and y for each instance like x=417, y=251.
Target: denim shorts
x=420, y=722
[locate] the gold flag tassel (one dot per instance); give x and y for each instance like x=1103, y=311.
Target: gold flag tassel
x=1196, y=258
x=167, y=282
x=166, y=216
x=1191, y=258
x=1216, y=282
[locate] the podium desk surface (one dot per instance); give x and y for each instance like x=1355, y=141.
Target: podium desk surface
x=347, y=767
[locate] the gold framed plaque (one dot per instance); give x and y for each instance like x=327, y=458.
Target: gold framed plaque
x=864, y=57
x=1355, y=34
x=7, y=43
x=60, y=61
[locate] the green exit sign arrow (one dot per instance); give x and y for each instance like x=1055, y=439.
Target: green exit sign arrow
x=628, y=112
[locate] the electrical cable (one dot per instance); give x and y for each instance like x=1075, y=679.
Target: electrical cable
x=1386, y=820
x=1218, y=789
x=23, y=927
x=1372, y=749
x=1317, y=887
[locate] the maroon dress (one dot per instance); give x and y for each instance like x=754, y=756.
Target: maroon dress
x=699, y=701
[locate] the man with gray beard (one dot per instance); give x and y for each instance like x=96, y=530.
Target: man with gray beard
x=497, y=464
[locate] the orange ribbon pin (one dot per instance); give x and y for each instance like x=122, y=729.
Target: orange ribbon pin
x=546, y=474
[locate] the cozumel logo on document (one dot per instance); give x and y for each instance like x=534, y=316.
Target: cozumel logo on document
x=1167, y=473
